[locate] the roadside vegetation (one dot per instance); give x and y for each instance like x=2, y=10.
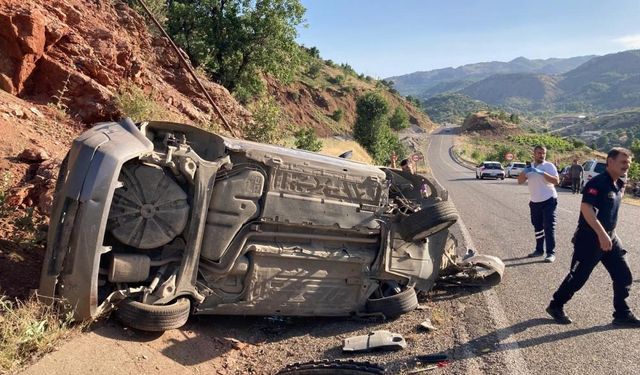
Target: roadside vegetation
x=373, y=131
x=30, y=329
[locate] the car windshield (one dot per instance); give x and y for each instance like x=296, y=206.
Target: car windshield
x=600, y=167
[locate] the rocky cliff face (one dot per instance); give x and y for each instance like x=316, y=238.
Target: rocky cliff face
x=80, y=53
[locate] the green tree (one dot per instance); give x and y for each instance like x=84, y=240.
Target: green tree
x=399, y=119
x=372, y=129
x=267, y=116
x=635, y=148
x=306, y=139
x=236, y=40
x=371, y=116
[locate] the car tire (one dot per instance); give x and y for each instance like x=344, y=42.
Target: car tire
x=153, y=318
x=329, y=367
x=394, y=305
x=502, y=178
x=428, y=221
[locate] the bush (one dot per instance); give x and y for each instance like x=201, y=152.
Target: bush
x=399, y=120
x=306, y=139
x=133, y=102
x=267, y=116
x=552, y=142
x=337, y=80
x=314, y=69
x=634, y=171
x=337, y=115
x=372, y=129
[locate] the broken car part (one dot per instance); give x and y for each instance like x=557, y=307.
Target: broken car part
x=331, y=367
x=376, y=340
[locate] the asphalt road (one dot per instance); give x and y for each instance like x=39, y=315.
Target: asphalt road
x=506, y=330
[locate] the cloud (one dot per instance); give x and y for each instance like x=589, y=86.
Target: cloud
x=629, y=41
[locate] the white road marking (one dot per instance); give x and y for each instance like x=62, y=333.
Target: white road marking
x=513, y=357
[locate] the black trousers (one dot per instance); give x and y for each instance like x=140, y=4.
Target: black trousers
x=587, y=255
x=575, y=184
x=543, y=218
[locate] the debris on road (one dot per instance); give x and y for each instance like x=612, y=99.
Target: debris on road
x=428, y=326
x=376, y=340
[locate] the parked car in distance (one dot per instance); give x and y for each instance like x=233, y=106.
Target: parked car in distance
x=514, y=168
x=490, y=169
x=565, y=177
x=591, y=168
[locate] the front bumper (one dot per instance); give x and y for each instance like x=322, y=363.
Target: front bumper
x=80, y=212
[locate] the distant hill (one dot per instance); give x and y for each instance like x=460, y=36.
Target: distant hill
x=424, y=84
x=486, y=122
x=452, y=107
x=519, y=90
x=607, y=82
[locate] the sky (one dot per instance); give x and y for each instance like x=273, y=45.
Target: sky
x=394, y=37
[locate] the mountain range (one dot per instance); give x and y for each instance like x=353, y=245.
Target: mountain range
x=585, y=83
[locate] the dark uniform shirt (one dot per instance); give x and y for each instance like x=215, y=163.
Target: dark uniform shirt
x=605, y=196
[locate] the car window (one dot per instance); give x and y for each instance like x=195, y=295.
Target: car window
x=518, y=165
x=600, y=167
x=492, y=166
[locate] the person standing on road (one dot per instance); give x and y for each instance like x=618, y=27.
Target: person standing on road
x=542, y=176
x=595, y=241
x=575, y=171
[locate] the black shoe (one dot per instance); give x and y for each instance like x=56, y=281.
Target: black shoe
x=536, y=254
x=628, y=321
x=558, y=315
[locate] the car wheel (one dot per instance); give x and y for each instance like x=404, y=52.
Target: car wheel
x=394, y=305
x=336, y=366
x=154, y=318
x=428, y=221
x=502, y=178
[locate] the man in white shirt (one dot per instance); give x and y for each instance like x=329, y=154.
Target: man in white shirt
x=541, y=177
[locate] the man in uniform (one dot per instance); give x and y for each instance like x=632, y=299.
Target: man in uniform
x=542, y=176
x=596, y=241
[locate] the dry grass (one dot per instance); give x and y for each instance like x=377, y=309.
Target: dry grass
x=628, y=198
x=29, y=329
x=335, y=147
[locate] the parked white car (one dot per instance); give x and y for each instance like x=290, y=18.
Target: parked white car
x=490, y=169
x=591, y=168
x=514, y=168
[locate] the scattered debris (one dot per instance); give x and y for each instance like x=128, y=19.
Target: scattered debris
x=376, y=340
x=332, y=368
x=428, y=326
x=36, y=112
x=432, y=358
x=33, y=155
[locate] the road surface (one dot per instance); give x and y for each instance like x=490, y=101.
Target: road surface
x=508, y=331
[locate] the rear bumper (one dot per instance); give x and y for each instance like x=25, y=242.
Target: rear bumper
x=494, y=175
x=80, y=212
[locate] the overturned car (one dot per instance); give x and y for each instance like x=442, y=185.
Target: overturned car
x=160, y=220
